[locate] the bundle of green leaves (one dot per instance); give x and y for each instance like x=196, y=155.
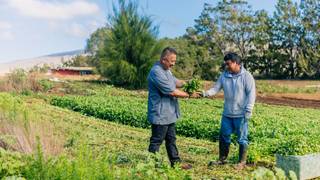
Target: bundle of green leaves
x=192, y=86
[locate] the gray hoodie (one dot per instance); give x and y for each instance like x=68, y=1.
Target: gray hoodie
x=239, y=93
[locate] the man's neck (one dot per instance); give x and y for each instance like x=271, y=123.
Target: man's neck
x=162, y=65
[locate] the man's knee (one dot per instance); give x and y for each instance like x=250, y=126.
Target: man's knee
x=225, y=138
x=244, y=142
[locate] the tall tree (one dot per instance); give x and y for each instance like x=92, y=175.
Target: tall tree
x=286, y=37
x=309, y=56
x=226, y=27
x=132, y=46
x=261, y=55
x=95, y=47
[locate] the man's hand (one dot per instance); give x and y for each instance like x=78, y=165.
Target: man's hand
x=179, y=93
x=203, y=93
x=195, y=95
x=247, y=115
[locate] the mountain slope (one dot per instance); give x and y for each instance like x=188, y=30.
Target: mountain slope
x=52, y=59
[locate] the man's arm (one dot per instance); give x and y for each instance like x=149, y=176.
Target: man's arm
x=180, y=83
x=165, y=86
x=251, y=96
x=179, y=93
x=215, y=89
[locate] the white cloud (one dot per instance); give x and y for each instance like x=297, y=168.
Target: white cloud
x=6, y=31
x=5, y=25
x=54, y=10
x=82, y=29
x=6, y=35
x=77, y=30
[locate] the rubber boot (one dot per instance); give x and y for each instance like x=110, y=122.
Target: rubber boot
x=243, y=149
x=223, y=154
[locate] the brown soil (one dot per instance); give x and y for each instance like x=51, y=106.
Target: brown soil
x=290, y=101
x=293, y=100
x=301, y=100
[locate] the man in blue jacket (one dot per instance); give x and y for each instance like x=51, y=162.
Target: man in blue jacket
x=239, y=97
x=163, y=107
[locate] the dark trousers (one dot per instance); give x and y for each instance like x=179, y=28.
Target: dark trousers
x=167, y=133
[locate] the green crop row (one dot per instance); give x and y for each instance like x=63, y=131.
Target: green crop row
x=273, y=129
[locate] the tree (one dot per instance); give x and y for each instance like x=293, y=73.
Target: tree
x=96, y=44
x=261, y=56
x=309, y=55
x=132, y=46
x=185, y=66
x=228, y=25
x=77, y=61
x=97, y=40
x=286, y=37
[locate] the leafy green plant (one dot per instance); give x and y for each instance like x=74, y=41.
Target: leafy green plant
x=264, y=173
x=192, y=86
x=46, y=85
x=10, y=163
x=279, y=132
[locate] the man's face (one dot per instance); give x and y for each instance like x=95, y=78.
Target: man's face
x=231, y=66
x=169, y=61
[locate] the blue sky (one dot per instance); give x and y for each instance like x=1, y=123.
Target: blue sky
x=31, y=28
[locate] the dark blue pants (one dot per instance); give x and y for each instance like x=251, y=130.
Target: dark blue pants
x=239, y=126
x=167, y=133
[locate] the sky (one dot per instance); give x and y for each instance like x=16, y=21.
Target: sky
x=32, y=28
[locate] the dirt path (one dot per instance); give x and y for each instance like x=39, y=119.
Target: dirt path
x=289, y=101
x=301, y=100
x=293, y=100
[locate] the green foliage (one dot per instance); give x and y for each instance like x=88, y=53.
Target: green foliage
x=192, y=86
x=10, y=163
x=96, y=150
x=285, y=45
x=264, y=173
x=77, y=61
x=20, y=81
x=131, y=47
x=46, y=85
x=87, y=164
x=270, y=133
x=267, y=87
x=228, y=26
x=97, y=40
x=44, y=68
x=18, y=78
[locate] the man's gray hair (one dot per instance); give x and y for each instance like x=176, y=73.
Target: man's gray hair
x=167, y=51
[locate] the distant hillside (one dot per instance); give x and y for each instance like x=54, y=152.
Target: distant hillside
x=67, y=53
x=51, y=59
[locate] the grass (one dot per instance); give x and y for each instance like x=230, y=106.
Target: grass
x=74, y=146
x=125, y=144
x=307, y=87
x=273, y=129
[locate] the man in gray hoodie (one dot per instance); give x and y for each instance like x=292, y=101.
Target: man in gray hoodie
x=239, y=97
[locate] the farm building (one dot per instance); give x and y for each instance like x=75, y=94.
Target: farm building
x=72, y=71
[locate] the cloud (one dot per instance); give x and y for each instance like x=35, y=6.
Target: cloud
x=6, y=31
x=77, y=30
x=5, y=25
x=82, y=29
x=53, y=10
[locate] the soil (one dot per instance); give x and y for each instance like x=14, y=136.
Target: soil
x=292, y=99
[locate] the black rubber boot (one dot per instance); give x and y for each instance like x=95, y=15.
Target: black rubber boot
x=223, y=154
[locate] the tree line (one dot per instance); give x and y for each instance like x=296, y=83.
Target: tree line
x=281, y=45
